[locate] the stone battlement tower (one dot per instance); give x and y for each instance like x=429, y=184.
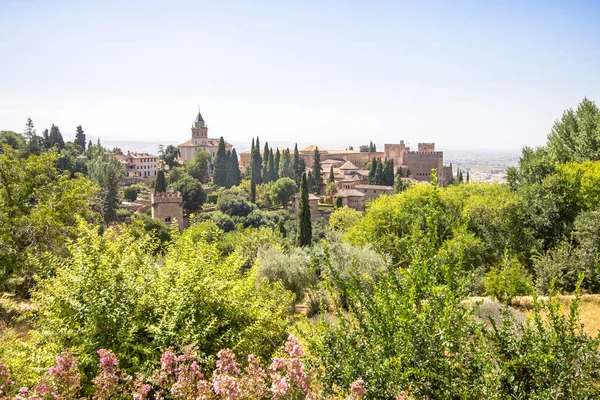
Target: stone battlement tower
x=426, y=148
x=168, y=207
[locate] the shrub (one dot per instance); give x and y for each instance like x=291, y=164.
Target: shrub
x=114, y=293
x=258, y=218
x=292, y=268
x=235, y=204
x=508, y=281
x=343, y=218
x=212, y=198
x=130, y=193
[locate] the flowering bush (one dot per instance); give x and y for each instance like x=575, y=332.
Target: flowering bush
x=179, y=377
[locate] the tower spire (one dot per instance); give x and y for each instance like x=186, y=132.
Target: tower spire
x=199, y=118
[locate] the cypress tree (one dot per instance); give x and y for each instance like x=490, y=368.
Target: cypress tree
x=265, y=165
x=160, y=184
x=304, y=223
x=90, y=144
x=55, y=138
x=235, y=177
x=286, y=169
x=339, y=202
x=80, y=138
x=271, y=169
x=299, y=165
x=311, y=180
x=379, y=173
x=317, y=176
x=407, y=172
x=282, y=228
x=221, y=164
x=389, y=173
x=331, y=177
x=467, y=176
x=256, y=162
x=372, y=171
x=276, y=163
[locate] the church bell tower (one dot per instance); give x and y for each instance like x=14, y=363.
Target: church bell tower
x=200, y=131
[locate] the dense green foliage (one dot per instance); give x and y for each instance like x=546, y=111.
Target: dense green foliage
x=106, y=171
x=38, y=209
x=114, y=293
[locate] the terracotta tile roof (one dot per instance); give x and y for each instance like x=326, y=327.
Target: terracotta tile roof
x=349, y=193
x=379, y=187
x=311, y=148
x=348, y=166
x=310, y=196
x=211, y=142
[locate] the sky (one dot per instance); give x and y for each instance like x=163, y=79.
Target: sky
x=465, y=75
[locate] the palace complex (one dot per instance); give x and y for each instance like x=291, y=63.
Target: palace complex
x=200, y=141
x=417, y=163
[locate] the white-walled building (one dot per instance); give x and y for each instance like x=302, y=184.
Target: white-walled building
x=139, y=165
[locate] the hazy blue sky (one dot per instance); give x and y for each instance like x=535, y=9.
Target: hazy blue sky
x=465, y=75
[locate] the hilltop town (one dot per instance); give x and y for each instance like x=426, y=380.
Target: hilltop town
x=344, y=177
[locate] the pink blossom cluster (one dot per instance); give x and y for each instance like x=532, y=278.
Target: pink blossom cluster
x=180, y=377
x=5, y=382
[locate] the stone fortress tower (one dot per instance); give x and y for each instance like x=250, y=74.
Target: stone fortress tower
x=168, y=207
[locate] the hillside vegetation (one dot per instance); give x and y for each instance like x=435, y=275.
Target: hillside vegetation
x=102, y=307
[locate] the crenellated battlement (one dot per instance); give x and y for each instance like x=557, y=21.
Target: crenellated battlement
x=426, y=148
x=166, y=197
x=427, y=152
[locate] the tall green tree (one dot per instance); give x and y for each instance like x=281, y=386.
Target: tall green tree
x=286, y=169
x=192, y=193
x=379, y=177
x=221, y=164
x=29, y=131
x=256, y=162
x=271, y=169
x=106, y=171
x=80, y=138
x=372, y=171
x=160, y=184
x=283, y=190
x=169, y=156
x=276, y=163
x=265, y=163
x=304, y=222
x=31, y=138
x=576, y=136
x=389, y=172
x=317, y=174
x=234, y=177
x=299, y=165
x=56, y=138
x=331, y=176
x=198, y=167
